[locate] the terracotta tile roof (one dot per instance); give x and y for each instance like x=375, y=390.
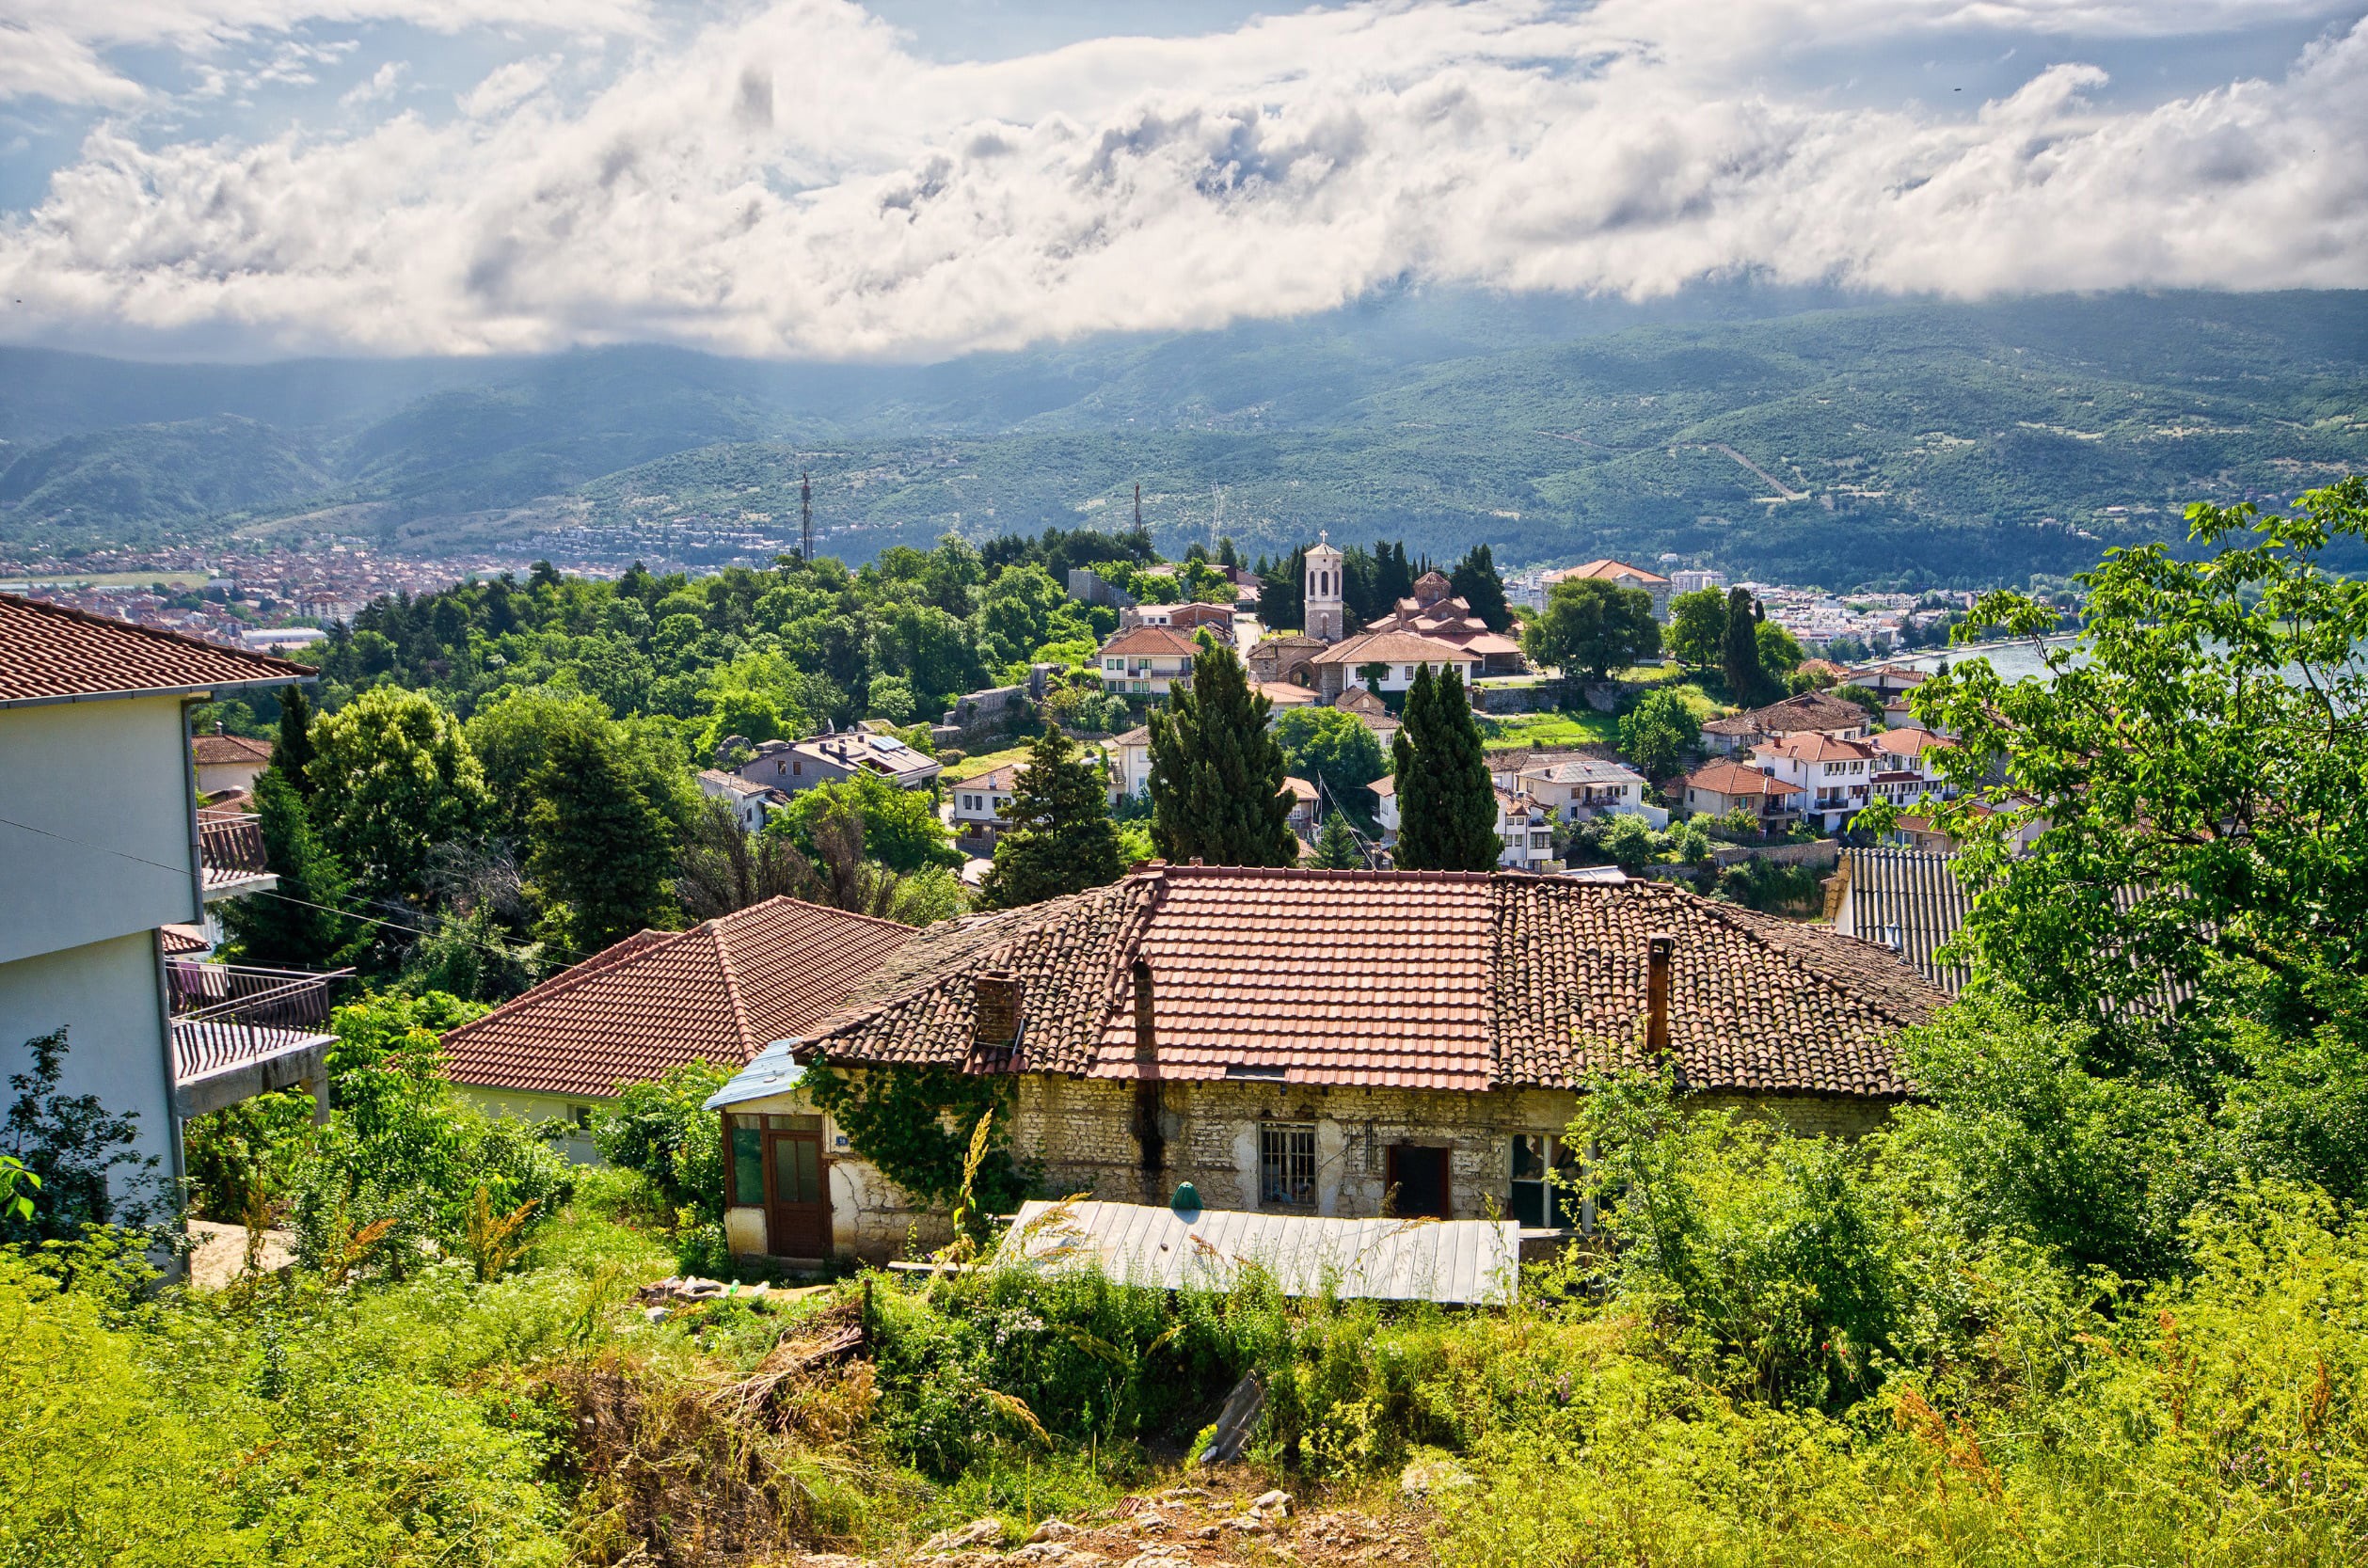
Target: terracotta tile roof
x=180, y=941
x=1151, y=641
x=1817, y=746
x=49, y=651
x=1140, y=735
x=1909, y=743
x=1736, y=778
x=1417, y=979
x=1357, y=699
x=1392, y=647
x=215, y=750
x=719, y=991
x=1811, y=710
x=1282, y=693
x=1300, y=789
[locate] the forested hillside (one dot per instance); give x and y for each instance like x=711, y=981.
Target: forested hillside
x=1917, y=443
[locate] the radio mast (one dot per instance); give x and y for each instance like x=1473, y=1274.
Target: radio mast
x=806, y=516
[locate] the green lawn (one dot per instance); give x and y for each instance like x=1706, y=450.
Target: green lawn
x=983, y=762
x=1550, y=729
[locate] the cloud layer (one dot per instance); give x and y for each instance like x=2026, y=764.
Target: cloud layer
x=796, y=182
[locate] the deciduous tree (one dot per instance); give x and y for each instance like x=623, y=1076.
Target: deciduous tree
x=1697, y=627
x=394, y=777
x=1592, y=628
x=305, y=926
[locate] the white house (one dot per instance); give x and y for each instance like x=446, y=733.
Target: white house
x=1389, y=658
x=980, y=804
x=228, y=764
x=102, y=847
x=1129, y=759
x=751, y=801
x=1907, y=766
x=1579, y=787
x=1147, y=661
x=1526, y=827
x=1835, y=776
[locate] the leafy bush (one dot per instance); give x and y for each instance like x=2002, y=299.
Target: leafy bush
x=663, y=1132
x=85, y=1158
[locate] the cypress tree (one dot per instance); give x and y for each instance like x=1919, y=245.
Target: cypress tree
x=293, y=754
x=1217, y=791
x=1336, y=846
x=1745, y=681
x=1447, y=804
x=600, y=856
x=1062, y=839
x=301, y=928
x=1476, y=583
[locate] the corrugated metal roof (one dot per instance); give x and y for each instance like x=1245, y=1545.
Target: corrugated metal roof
x=1458, y=1262
x=771, y=1072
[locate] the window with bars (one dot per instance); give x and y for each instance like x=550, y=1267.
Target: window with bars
x=1546, y=1193
x=1286, y=1164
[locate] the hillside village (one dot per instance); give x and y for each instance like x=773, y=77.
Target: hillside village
x=1344, y=969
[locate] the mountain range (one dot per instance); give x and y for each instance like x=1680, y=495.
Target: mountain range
x=1789, y=436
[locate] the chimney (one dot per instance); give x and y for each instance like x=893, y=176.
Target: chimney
x=1657, y=948
x=1146, y=1029
x=996, y=1022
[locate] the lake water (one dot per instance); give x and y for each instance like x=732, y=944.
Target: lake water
x=2012, y=660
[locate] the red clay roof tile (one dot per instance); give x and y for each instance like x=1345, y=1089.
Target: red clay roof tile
x=49, y=651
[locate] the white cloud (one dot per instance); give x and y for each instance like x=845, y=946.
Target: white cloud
x=796, y=182
x=380, y=87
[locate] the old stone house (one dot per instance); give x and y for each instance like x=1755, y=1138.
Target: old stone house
x=1331, y=1042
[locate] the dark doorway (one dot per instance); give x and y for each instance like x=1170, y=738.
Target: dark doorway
x=797, y=1190
x=1417, y=1182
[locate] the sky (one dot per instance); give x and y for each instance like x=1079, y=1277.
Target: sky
x=910, y=179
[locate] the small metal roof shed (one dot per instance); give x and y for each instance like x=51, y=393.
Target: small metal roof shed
x=771, y=1071
x=1458, y=1262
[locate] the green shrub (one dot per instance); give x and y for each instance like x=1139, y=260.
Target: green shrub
x=663, y=1132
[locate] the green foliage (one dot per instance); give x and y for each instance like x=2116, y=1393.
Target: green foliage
x=304, y=927
x=239, y=1158
x=1060, y=838
x=1739, y=651
x=403, y=1154
x=663, y=1132
x=1697, y=627
x=901, y=827
x=1447, y=804
x=1476, y=583
x=2193, y=756
x=1336, y=848
x=396, y=778
x=292, y=753
x=915, y=1124
x=1779, y=651
x=1592, y=628
x=1216, y=776
x=601, y=857
x=1658, y=733
x=84, y=1160
x=1324, y=743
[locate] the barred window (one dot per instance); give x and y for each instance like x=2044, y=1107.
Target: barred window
x=1286, y=1164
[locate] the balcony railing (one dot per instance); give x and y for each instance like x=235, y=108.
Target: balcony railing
x=285, y=998
x=230, y=845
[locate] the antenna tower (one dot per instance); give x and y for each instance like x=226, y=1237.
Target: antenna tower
x=806, y=516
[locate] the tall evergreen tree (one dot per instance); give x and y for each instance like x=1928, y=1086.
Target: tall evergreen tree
x=1282, y=599
x=292, y=754
x=601, y=857
x=1447, y=804
x=1217, y=792
x=1061, y=839
x=1336, y=846
x=302, y=927
x=1393, y=580
x=1745, y=681
x=1476, y=583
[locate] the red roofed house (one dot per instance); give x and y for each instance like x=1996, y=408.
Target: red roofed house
x=1836, y=776
x=101, y=847
x=718, y=992
x=1147, y=661
x=1726, y=787
x=228, y=764
x=1621, y=573
x=1345, y=1043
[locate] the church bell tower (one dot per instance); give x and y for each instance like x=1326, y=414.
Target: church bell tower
x=1322, y=588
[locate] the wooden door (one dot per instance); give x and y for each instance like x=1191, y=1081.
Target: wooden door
x=1417, y=1182
x=797, y=1191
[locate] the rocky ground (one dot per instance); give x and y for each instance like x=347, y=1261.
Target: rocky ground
x=1181, y=1528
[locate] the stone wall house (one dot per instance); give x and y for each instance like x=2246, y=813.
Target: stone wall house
x=1333, y=1042
x=1288, y=657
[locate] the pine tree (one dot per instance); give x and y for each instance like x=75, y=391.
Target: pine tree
x=1336, y=846
x=1217, y=792
x=1745, y=681
x=298, y=926
x=1476, y=583
x=600, y=855
x=1061, y=839
x=292, y=755
x=1447, y=804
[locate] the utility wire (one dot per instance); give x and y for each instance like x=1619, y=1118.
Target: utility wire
x=484, y=944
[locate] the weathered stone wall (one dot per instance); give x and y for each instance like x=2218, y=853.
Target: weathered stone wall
x=1082, y=1133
